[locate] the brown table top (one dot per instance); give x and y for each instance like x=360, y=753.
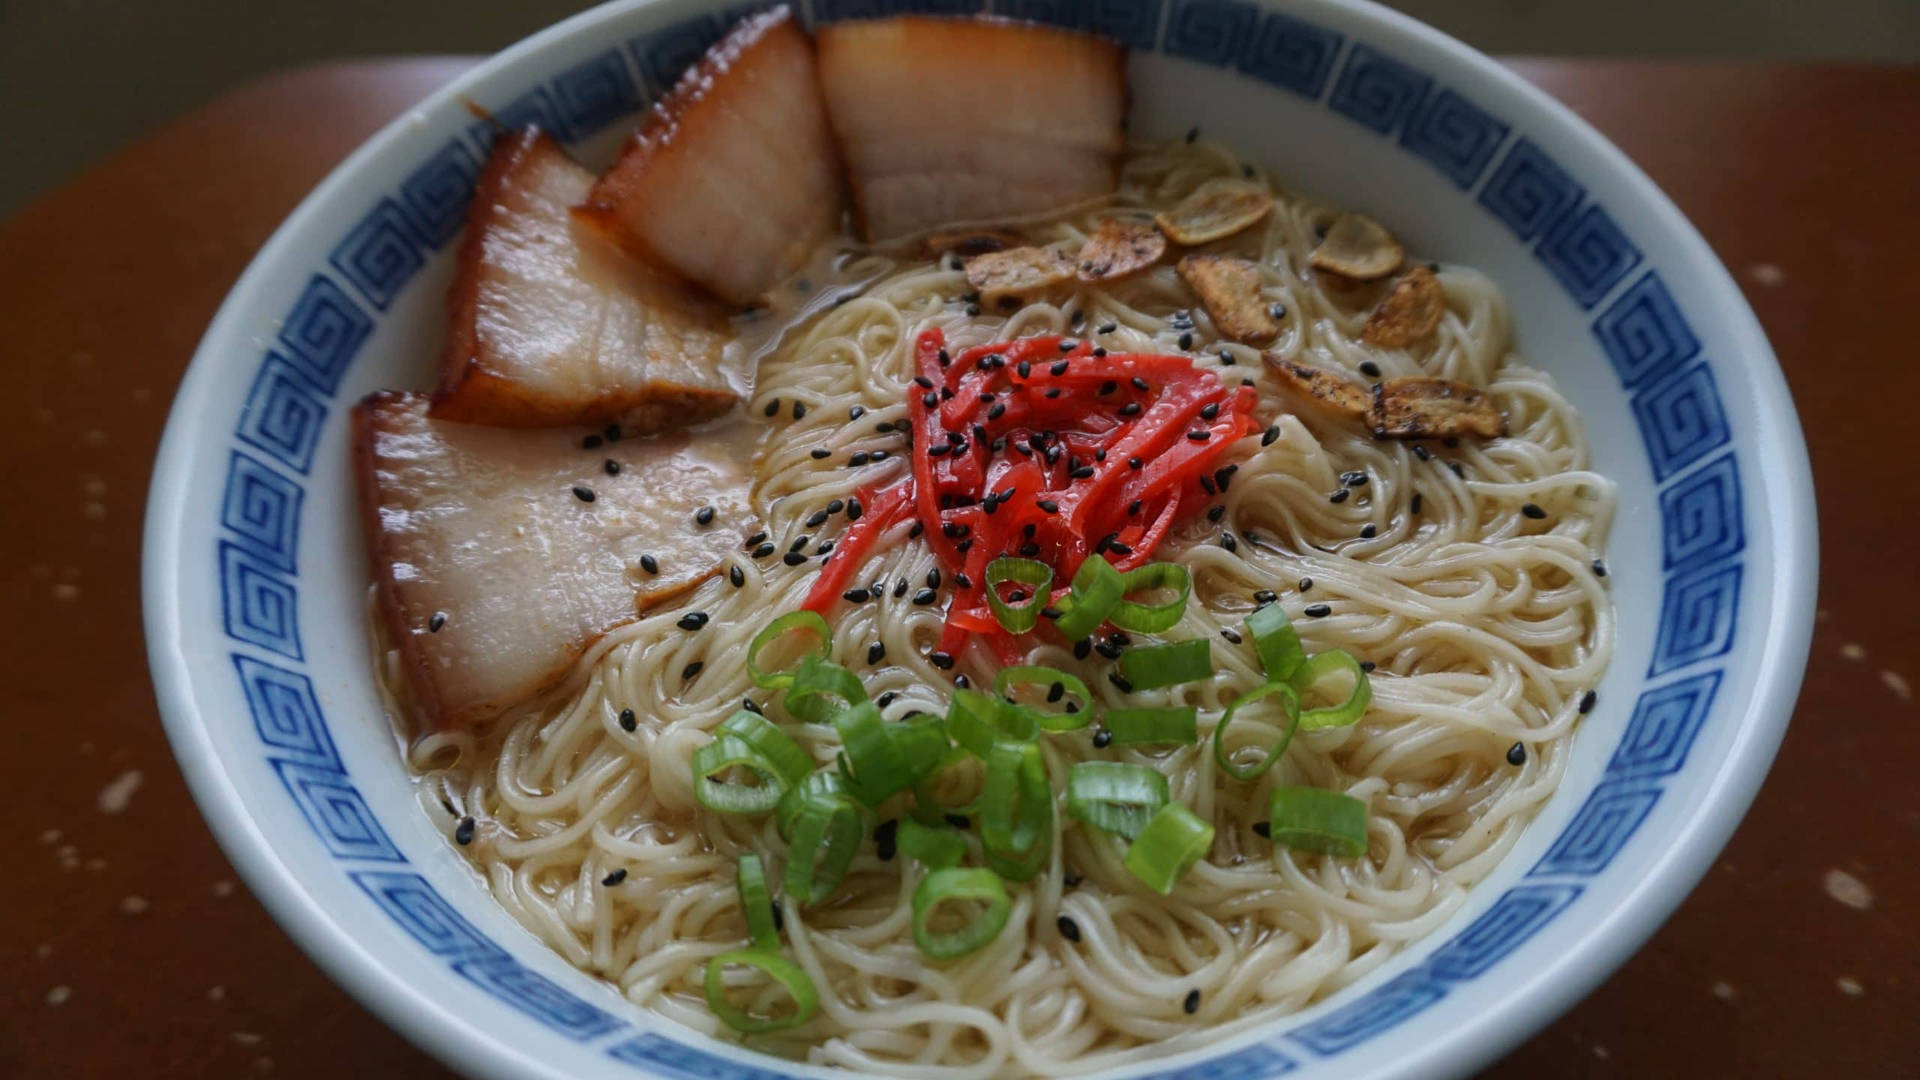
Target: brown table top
x=131, y=951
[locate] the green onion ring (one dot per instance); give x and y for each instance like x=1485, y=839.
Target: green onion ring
x=1175, y=838
x=1114, y=796
x=1317, y=820
x=1152, y=618
x=955, y=883
x=773, y=744
x=976, y=720
x=723, y=753
x=936, y=847
x=1018, y=618
x=806, y=1000
x=808, y=620
x=1070, y=686
x=1290, y=701
x=927, y=804
x=1151, y=667
x=1095, y=592
x=1276, y=642
x=816, y=683
x=1347, y=711
x=1134, y=727
x=756, y=902
x=826, y=834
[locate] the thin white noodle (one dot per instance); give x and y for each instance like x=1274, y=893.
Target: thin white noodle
x=1487, y=627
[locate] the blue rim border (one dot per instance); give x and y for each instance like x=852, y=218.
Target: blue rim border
x=1675, y=402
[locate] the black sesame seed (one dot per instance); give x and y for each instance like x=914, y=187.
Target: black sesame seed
x=763, y=550
x=1108, y=387
x=1131, y=408
x=1533, y=511
x=692, y=620
x=856, y=412
x=1354, y=479
x=692, y=670
x=799, y=542
x=1081, y=648
x=1210, y=410
x=1265, y=596
x=1120, y=681
x=856, y=596
x=755, y=538
x=1319, y=611
x=820, y=453
x=1227, y=541
x=736, y=576
x=1367, y=531
x=463, y=832
x=1135, y=463
x=612, y=467
x=1420, y=452
x=924, y=597
x=1052, y=392
x=1048, y=506
x=858, y=460
x=1586, y=702
x=612, y=432
x=1599, y=568
x=628, y=721
x=1199, y=436
x=1370, y=369
x=704, y=515
x=1339, y=495
x=773, y=407
x=752, y=706
x=1068, y=928
x=885, y=839
x=941, y=660
x=1059, y=367
x=817, y=519
x=962, y=580
x=438, y=620
x=591, y=442
x=1263, y=829
x=614, y=878
x=1457, y=470
x=1517, y=754
x=1186, y=341
x=1230, y=635
x=1415, y=504
x=1102, y=737
x=1108, y=650
x=923, y=382
x=1192, y=1004
x=1267, y=437
x=1306, y=583
x=794, y=558
x=1081, y=473
x=1277, y=312
x=933, y=578
x=584, y=494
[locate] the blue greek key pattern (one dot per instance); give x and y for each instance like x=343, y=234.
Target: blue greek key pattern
x=1697, y=618
x=1589, y=254
x=1641, y=329
x=1665, y=722
x=1210, y=31
x=282, y=415
x=1700, y=516
x=1643, y=333
x=1291, y=54
x=1529, y=192
x=1681, y=420
x=436, y=194
x=322, y=332
x=262, y=509
x=1602, y=826
x=337, y=813
x=1378, y=91
x=260, y=607
x=1456, y=135
x=380, y=254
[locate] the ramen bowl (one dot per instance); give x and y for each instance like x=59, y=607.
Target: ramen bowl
x=255, y=575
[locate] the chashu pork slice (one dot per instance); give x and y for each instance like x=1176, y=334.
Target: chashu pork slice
x=500, y=555
x=550, y=327
x=945, y=120
x=732, y=178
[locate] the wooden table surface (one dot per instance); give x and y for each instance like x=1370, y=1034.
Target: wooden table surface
x=129, y=949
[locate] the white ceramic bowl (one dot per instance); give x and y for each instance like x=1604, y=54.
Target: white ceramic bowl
x=254, y=575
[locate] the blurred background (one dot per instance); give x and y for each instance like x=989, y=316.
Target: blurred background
x=60, y=113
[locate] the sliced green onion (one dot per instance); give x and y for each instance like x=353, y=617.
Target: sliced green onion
x=935, y=846
x=773, y=744
x=1016, y=810
x=1275, y=642
x=726, y=797
x=1344, y=713
x=819, y=785
x=1133, y=727
x=756, y=902
x=1018, y=618
x=816, y=683
x=956, y=885
x=923, y=744
x=926, y=790
x=1096, y=591
x=1152, y=618
x=1151, y=667
x=1174, y=839
x=1317, y=820
x=826, y=834
x=1289, y=701
x=779, y=628
x=1060, y=685
x=871, y=754
x=1114, y=796
x=976, y=720
x=806, y=1000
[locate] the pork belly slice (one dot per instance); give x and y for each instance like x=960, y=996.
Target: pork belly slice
x=947, y=120
x=500, y=555
x=732, y=178
x=548, y=327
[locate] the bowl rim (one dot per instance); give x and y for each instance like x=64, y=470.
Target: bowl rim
x=1523, y=1005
